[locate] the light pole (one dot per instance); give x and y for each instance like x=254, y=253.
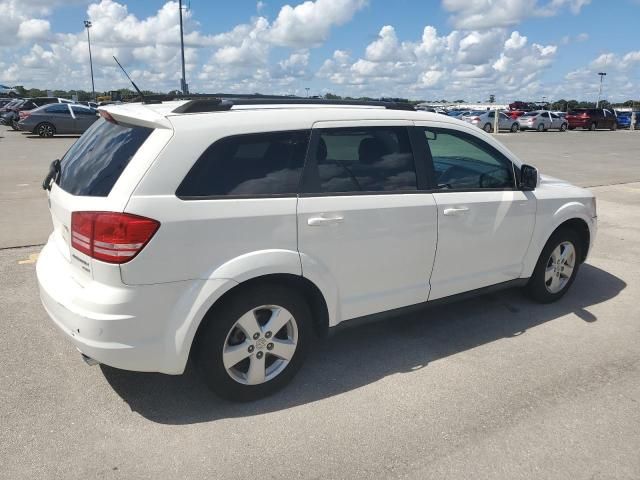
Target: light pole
x=307, y=89
x=88, y=25
x=183, y=81
x=602, y=74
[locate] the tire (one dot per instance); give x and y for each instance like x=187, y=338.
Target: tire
x=254, y=306
x=540, y=127
x=549, y=281
x=45, y=130
x=515, y=127
x=487, y=127
x=614, y=127
x=563, y=127
x=592, y=127
x=14, y=125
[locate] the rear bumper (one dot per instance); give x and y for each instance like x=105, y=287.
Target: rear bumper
x=579, y=123
x=139, y=328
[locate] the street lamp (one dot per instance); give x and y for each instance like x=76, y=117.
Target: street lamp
x=183, y=82
x=88, y=25
x=602, y=74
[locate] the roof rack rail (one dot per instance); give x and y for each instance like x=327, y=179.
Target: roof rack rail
x=215, y=104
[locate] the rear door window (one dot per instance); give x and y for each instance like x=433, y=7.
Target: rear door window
x=370, y=159
x=248, y=165
x=59, y=108
x=94, y=163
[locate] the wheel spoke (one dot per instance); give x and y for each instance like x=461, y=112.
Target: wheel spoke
x=249, y=324
x=232, y=355
x=256, y=372
x=283, y=348
x=279, y=318
x=555, y=283
x=548, y=274
x=567, y=272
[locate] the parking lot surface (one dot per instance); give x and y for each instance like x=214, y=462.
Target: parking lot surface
x=493, y=387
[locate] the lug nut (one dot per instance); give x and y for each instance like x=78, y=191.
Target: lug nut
x=256, y=336
x=251, y=348
x=259, y=354
x=270, y=346
x=267, y=335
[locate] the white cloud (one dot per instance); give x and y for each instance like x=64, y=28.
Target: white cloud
x=308, y=24
x=34, y=29
x=481, y=14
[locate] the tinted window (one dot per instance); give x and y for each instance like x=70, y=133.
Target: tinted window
x=94, y=163
x=83, y=111
x=365, y=160
x=58, y=108
x=462, y=161
x=255, y=164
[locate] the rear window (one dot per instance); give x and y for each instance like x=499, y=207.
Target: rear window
x=248, y=165
x=94, y=163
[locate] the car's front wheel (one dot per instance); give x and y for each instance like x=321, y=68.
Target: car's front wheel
x=487, y=127
x=515, y=127
x=557, y=267
x=255, y=342
x=45, y=129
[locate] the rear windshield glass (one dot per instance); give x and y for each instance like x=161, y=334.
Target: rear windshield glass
x=94, y=163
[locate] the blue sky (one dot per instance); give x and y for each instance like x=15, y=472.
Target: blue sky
x=425, y=49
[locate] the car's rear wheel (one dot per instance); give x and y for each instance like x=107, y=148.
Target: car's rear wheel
x=540, y=127
x=563, y=127
x=487, y=127
x=45, y=129
x=254, y=343
x=614, y=126
x=515, y=127
x=557, y=267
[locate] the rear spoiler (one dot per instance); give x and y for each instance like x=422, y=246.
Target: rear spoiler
x=134, y=114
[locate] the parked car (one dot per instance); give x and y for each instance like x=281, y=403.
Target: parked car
x=10, y=114
x=486, y=119
x=58, y=118
x=591, y=119
x=5, y=101
x=32, y=103
x=234, y=236
x=542, y=120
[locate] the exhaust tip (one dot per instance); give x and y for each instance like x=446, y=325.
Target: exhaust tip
x=88, y=360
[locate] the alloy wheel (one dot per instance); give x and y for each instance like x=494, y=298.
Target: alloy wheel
x=260, y=345
x=45, y=130
x=560, y=267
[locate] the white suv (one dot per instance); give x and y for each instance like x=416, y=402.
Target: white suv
x=234, y=233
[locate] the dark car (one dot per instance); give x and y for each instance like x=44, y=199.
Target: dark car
x=592, y=119
x=58, y=118
x=9, y=113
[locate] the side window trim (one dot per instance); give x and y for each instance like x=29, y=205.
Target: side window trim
x=310, y=180
x=433, y=187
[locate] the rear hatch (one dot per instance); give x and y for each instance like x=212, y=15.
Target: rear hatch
x=89, y=179
x=577, y=116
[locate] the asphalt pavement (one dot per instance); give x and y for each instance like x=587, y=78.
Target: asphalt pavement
x=495, y=387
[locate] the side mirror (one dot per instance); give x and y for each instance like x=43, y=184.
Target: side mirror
x=528, y=178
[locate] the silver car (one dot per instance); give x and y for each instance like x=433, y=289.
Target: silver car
x=58, y=118
x=542, y=121
x=485, y=120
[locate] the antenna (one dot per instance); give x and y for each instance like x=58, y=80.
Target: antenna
x=132, y=82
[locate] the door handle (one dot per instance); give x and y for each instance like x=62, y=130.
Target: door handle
x=455, y=211
x=320, y=221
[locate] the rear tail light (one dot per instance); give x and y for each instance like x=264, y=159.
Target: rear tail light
x=111, y=237
x=475, y=119
x=23, y=114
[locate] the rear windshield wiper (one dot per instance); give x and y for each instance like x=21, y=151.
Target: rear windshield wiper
x=53, y=176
